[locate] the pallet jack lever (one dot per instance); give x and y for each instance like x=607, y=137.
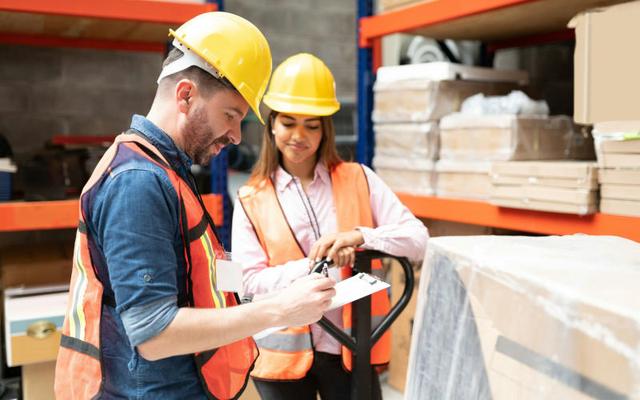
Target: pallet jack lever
x=362, y=339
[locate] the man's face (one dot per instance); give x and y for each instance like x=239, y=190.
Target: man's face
x=212, y=124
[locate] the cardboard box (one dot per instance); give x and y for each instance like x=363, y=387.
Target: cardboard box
x=427, y=92
x=410, y=140
x=37, y=381
x=408, y=175
x=463, y=179
x=33, y=319
x=505, y=137
x=24, y=266
x=527, y=318
x=606, y=80
x=401, y=328
x=620, y=207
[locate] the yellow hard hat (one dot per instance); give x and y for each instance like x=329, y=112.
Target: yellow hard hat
x=234, y=47
x=303, y=84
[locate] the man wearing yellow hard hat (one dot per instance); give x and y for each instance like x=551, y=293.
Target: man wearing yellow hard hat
x=148, y=315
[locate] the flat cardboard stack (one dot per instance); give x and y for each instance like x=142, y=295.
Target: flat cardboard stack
x=505, y=137
x=555, y=186
x=618, y=151
x=468, y=143
x=463, y=179
x=409, y=100
x=528, y=318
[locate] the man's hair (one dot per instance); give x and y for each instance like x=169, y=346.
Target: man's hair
x=207, y=83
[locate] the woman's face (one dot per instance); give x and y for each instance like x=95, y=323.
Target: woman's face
x=298, y=138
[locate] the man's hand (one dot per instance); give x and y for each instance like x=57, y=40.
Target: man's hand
x=303, y=302
x=337, y=247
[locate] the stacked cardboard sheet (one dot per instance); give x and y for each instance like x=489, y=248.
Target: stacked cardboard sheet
x=505, y=137
x=406, y=175
x=463, y=179
x=507, y=318
x=618, y=151
x=427, y=92
x=556, y=186
x=409, y=100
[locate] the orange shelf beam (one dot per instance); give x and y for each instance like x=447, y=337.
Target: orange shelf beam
x=126, y=10
x=63, y=214
x=485, y=214
x=425, y=14
x=52, y=41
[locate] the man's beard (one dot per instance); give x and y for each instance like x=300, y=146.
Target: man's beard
x=198, y=134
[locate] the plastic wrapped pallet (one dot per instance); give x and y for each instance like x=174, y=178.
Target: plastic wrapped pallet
x=505, y=137
x=463, y=179
x=427, y=92
x=418, y=140
x=408, y=175
x=528, y=318
x=555, y=186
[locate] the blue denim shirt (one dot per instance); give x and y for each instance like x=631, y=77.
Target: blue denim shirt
x=134, y=222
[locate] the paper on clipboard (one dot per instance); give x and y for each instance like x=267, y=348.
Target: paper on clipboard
x=356, y=287
x=347, y=291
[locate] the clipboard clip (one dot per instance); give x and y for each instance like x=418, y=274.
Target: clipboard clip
x=370, y=279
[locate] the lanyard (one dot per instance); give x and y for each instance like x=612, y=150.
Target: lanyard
x=311, y=214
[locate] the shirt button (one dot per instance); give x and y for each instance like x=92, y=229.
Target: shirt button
x=147, y=278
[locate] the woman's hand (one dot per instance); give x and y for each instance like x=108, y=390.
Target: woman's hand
x=337, y=247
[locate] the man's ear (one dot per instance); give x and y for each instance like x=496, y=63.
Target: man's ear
x=185, y=93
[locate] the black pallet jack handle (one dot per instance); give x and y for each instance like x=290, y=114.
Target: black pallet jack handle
x=362, y=339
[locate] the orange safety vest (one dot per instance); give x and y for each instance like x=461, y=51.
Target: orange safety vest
x=223, y=371
x=288, y=354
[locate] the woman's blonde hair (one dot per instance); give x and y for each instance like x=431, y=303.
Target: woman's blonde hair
x=270, y=156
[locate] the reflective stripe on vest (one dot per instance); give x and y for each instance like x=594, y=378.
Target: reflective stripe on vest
x=285, y=341
x=279, y=359
x=223, y=371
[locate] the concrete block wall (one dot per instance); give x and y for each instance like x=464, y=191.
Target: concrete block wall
x=50, y=91
x=324, y=28
x=53, y=91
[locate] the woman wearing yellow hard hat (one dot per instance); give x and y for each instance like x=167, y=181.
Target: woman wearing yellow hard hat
x=303, y=203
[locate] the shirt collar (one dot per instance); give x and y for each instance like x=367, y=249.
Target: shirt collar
x=283, y=179
x=162, y=141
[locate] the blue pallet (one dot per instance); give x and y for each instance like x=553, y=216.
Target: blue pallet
x=5, y=186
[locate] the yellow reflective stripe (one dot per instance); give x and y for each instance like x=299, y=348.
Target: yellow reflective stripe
x=77, y=322
x=218, y=298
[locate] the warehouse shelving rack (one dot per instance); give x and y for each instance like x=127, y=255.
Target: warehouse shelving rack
x=498, y=23
x=134, y=25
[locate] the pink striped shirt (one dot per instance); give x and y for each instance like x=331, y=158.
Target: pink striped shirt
x=397, y=232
